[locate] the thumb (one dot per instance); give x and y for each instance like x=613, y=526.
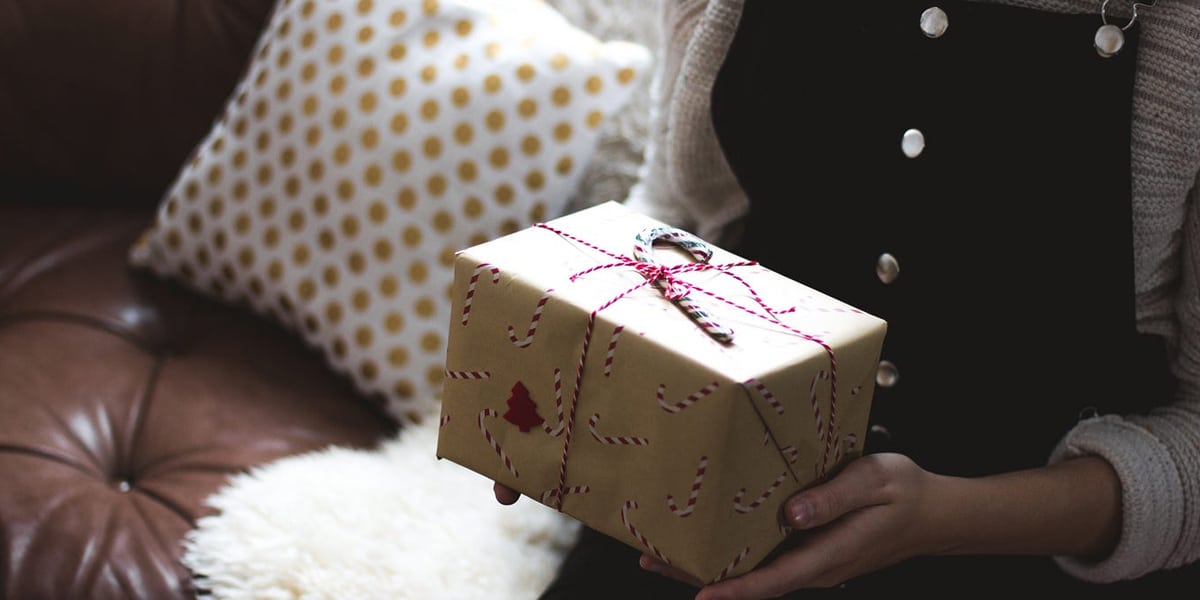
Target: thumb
x=857, y=486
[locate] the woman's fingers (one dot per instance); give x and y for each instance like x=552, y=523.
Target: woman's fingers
x=860, y=484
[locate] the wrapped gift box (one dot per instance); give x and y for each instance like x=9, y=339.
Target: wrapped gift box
x=670, y=395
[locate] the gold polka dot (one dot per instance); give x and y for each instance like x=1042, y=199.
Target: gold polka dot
x=431, y=38
x=338, y=346
x=195, y=223
x=366, y=66
x=463, y=133
x=242, y=222
x=625, y=75
x=461, y=61
x=478, y=237
x=218, y=144
x=335, y=54
x=307, y=39
x=564, y=165
x=284, y=90
x=382, y=249
x=326, y=239
x=460, y=96
x=360, y=300
x=425, y=307
x=300, y=255
x=404, y=388
x=397, y=51
x=275, y=270
x=350, y=226
x=562, y=132
x=504, y=194
x=215, y=207
x=316, y=169
x=406, y=198
x=368, y=370
x=310, y=105
x=239, y=127
x=494, y=120
x=364, y=6
x=307, y=289
x=173, y=239
x=491, y=84
x=267, y=207
x=312, y=136
x=537, y=212
x=341, y=153
x=356, y=263
x=337, y=84
x=333, y=313
x=239, y=160
x=397, y=18
x=264, y=174
x=559, y=61
x=373, y=174
x=296, y=220
x=431, y=342
x=393, y=322
x=429, y=110
x=388, y=286
x=291, y=186
x=402, y=161
x=285, y=123
x=245, y=258
x=321, y=205
x=593, y=85
x=399, y=123
x=435, y=375
x=531, y=145
x=285, y=27
x=411, y=236
x=492, y=50
x=430, y=7
x=535, y=180
x=595, y=118
x=330, y=275
x=498, y=157
x=509, y=226
x=398, y=356
x=370, y=138
x=262, y=77
x=432, y=147
x=334, y=21
x=527, y=107
x=473, y=207
x=365, y=33
x=345, y=189
x=446, y=256
x=307, y=9
x=443, y=221
x=467, y=171
x=525, y=72
x=463, y=27
x=214, y=174
x=429, y=74
x=561, y=96
x=418, y=272
x=263, y=141
x=436, y=185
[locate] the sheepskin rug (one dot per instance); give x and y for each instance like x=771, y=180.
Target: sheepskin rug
x=393, y=523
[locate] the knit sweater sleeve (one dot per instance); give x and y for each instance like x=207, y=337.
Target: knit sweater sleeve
x=1156, y=456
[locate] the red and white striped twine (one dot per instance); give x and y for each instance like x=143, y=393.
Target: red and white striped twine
x=612, y=349
x=445, y=419
x=619, y=440
x=732, y=564
x=466, y=314
x=468, y=375
x=766, y=394
x=553, y=494
x=487, y=412
x=745, y=508
x=557, y=430
x=533, y=323
x=690, y=400
x=816, y=404
x=693, y=495
x=631, y=504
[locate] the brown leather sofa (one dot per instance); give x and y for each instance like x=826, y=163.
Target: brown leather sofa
x=125, y=401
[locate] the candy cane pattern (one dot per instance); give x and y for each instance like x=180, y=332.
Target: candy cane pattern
x=816, y=406
x=614, y=440
x=557, y=430
x=693, y=495
x=487, y=412
x=533, y=323
x=552, y=494
x=468, y=375
x=466, y=314
x=732, y=564
x=765, y=393
x=745, y=508
x=612, y=348
x=690, y=400
x=630, y=504
x=442, y=421
x=791, y=453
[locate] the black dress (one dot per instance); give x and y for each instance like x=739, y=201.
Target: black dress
x=1000, y=253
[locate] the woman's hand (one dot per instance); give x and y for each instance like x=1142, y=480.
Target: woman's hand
x=884, y=508
x=504, y=494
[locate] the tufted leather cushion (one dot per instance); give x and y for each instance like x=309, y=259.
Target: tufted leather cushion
x=103, y=101
x=125, y=401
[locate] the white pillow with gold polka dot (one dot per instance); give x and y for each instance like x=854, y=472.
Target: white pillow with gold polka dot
x=369, y=141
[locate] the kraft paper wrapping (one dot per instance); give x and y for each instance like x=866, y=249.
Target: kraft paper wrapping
x=659, y=435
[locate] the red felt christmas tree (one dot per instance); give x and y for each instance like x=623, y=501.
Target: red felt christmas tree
x=522, y=412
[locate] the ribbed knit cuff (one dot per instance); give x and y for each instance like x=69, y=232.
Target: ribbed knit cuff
x=1152, y=509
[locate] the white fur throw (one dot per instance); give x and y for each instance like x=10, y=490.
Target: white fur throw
x=394, y=523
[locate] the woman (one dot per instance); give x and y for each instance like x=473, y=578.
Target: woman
x=969, y=172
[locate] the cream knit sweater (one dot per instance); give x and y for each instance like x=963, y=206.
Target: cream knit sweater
x=686, y=181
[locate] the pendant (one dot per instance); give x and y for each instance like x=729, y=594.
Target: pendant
x=1109, y=40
